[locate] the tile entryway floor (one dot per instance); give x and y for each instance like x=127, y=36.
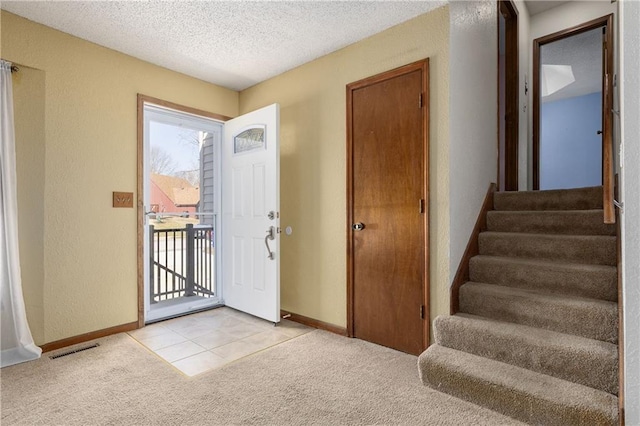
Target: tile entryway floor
x=201, y=342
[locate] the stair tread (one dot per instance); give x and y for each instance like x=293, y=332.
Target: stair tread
x=587, y=317
x=551, y=275
x=578, y=359
x=550, y=337
x=515, y=391
x=536, y=294
x=590, y=249
x=550, y=236
x=567, y=212
x=551, y=263
x=589, y=213
x=565, y=222
x=555, y=199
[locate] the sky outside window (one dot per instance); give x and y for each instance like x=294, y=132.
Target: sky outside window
x=178, y=147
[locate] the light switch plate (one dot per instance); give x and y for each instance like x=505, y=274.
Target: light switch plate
x=123, y=199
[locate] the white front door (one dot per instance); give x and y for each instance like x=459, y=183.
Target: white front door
x=250, y=213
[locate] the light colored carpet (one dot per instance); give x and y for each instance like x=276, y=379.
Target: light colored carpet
x=317, y=378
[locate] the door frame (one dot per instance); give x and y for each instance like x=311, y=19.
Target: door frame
x=422, y=65
x=607, y=98
x=142, y=100
x=512, y=89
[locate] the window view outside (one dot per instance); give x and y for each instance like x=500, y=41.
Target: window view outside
x=174, y=163
x=181, y=236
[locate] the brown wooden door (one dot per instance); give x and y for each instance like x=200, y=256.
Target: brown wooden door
x=388, y=182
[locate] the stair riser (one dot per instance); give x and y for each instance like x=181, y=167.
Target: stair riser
x=594, y=365
x=567, y=223
x=575, y=199
x=514, y=402
x=598, y=250
x=587, y=320
x=553, y=278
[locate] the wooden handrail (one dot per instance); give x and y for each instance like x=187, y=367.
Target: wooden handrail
x=607, y=158
x=607, y=126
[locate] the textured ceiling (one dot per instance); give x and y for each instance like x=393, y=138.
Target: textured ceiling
x=232, y=44
x=538, y=6
x=583, y=52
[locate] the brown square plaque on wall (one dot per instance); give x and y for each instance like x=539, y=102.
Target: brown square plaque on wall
x=122, y=199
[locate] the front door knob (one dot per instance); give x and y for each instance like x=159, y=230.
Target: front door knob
x=357, y=226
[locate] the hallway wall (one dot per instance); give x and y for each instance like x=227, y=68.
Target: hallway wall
x=473, y=112
x=630, y=196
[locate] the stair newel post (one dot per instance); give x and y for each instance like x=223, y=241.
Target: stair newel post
x=190, y=260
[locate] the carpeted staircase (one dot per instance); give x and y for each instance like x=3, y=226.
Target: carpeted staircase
x=537, y=330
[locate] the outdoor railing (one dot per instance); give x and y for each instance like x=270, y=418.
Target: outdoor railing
x=181, y=262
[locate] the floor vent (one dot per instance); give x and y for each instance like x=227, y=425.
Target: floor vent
x=84, y=348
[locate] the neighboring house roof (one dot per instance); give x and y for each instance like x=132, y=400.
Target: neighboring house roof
x=179, y=190
x=186, y=196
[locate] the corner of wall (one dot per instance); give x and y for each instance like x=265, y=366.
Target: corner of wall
x=82, y=254
x=473, y=117
x=630, y=218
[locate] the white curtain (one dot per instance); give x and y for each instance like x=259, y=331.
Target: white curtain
x=16, y=341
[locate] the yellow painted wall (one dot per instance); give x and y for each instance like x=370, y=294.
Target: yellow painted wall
x=29, y=105
x=313, y=161
x=85, y=273
x=76, y=143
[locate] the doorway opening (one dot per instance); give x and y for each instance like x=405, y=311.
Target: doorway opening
x=508, y=113
x=388, y=209
x=180, y=194
x=208, y=189
x=572, y=99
